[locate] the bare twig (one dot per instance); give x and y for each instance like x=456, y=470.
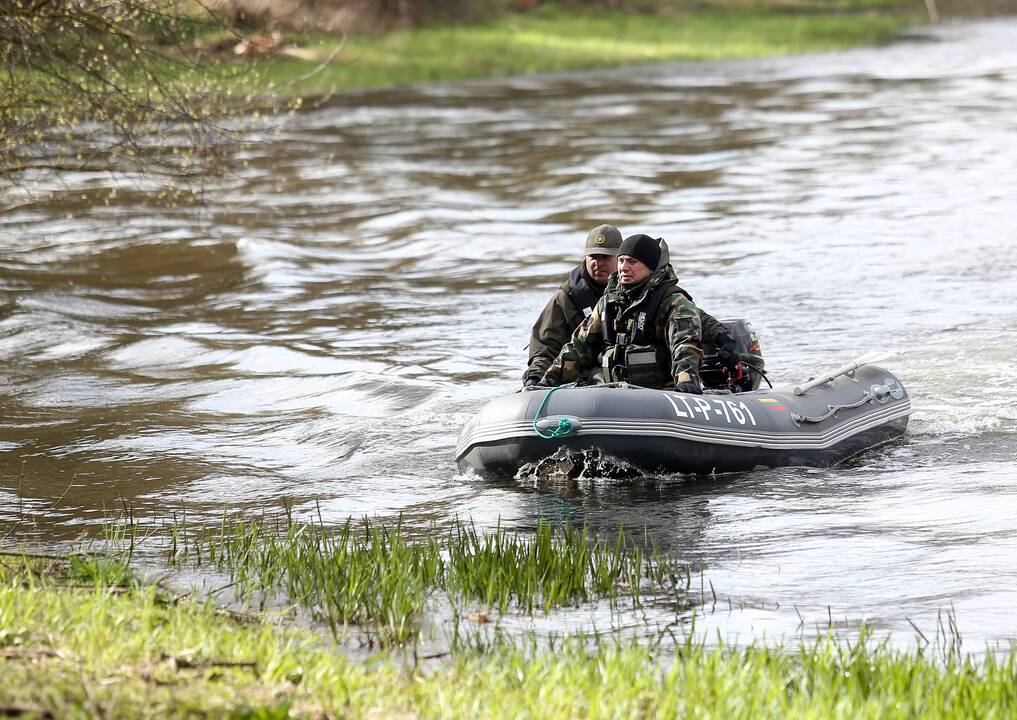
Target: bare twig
x=67, y=490
x=10, y=532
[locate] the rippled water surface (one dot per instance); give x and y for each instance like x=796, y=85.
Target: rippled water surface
x=366, y=278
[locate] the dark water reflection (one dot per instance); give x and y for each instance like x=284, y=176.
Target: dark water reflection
x=320, y=329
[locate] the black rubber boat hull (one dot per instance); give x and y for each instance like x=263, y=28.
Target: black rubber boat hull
x=660, y=432
x=651, y=455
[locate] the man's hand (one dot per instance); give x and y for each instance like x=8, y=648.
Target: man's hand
x=727, y=354
x=551, y=378
x=530, y=383
x=689, y=386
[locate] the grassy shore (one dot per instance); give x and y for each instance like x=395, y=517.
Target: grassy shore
x=374, y=579
x=85, y=639
x=555, y=38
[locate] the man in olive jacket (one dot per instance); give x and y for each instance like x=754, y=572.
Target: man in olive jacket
x=573, y=302
x=645, y=329
x=575, y=299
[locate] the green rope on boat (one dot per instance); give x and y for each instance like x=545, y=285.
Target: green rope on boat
x=564, y=426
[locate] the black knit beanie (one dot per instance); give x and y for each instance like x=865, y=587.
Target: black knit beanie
x=643, y=248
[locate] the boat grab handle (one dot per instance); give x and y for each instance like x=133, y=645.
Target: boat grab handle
x=798, y=419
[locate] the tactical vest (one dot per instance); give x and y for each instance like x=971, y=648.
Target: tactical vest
x=582, y=292
x=632, y=353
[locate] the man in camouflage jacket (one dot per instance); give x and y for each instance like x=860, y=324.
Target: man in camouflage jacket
x=576, y=298
x=649, y=314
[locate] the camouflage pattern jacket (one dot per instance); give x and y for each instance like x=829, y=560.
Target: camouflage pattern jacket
x=676, y=327
x=563, y=315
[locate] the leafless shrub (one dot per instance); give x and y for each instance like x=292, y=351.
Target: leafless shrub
x=101, y=84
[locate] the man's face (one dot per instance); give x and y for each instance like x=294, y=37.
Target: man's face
x=632, y=271
x=601, y=266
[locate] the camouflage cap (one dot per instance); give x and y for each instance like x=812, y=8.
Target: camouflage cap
x=603, y=240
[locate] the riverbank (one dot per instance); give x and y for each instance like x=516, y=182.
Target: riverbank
x=556, y=38
x=86, y=639
x=162, y=66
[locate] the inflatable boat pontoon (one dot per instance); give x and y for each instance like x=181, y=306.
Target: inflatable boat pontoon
x=818, y=423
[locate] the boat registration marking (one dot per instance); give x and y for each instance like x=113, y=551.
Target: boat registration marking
x=733, y=413
x=677, y=412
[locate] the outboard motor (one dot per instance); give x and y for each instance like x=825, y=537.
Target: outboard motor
x=716, y=377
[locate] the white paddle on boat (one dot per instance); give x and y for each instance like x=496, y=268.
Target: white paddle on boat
x=867, y=359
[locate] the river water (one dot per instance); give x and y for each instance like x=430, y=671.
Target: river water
x=365, y=278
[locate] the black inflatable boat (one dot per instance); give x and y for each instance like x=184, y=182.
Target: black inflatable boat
x=817, y=423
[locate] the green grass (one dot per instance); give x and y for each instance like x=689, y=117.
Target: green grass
x=557, y=40
x=130, y=651
x=374, y=577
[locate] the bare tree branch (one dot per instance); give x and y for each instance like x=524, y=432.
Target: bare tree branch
x=82, y=80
